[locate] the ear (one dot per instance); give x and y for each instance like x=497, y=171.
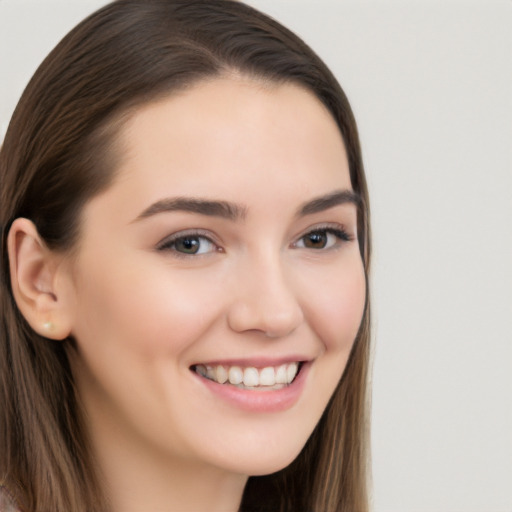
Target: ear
x=39, y=284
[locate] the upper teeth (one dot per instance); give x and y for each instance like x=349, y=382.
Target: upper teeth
x=250, y=376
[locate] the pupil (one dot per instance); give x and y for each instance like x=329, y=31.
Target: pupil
x=316, y=240
x=188, y=245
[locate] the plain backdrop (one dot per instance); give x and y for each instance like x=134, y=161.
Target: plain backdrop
x=430, y=83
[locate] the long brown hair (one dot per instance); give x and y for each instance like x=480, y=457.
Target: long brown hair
x=59, y=151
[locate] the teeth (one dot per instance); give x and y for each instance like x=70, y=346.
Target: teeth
x=250, y=377
x=281, y=375
x=201, y=370
x=267, y=377
x=291, y=371
x=221, y=375
x=236, y=375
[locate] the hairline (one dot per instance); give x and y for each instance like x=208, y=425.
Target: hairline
x=113, y=126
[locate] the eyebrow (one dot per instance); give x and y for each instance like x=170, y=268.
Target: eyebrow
x=211, y=208
x=236, y=212
x=331, y=200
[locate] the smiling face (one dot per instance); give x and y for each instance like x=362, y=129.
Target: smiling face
x=226, y=250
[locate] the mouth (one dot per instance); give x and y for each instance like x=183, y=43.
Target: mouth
x=267, y=378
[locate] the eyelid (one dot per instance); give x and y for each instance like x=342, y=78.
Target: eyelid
x=166, y=243
x=328, y=226
x=339, y=230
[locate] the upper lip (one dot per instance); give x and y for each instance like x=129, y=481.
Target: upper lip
x=257, y=362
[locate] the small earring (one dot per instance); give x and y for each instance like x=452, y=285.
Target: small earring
x=48, y=326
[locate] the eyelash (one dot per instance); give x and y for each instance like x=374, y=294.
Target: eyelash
x=339, y=232
x=169, y=244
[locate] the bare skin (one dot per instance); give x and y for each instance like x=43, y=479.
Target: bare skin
x=265, y=271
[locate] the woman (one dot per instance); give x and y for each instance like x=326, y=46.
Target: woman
x=185, y=249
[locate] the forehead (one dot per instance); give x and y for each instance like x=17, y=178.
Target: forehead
x=235, y=139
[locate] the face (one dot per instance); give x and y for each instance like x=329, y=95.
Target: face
x=218, y=283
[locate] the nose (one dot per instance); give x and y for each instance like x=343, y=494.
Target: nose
x=265, y=301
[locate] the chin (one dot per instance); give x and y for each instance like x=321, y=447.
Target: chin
x=263, y=460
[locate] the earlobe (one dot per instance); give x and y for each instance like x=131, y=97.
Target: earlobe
x=35, y=282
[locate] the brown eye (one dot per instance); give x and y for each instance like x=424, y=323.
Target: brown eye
x=188, y=245
x=323, y=239
x=316, y=240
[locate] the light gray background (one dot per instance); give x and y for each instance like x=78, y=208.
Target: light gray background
x=430, y=84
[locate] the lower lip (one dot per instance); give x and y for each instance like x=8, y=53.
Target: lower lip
x=259, y=401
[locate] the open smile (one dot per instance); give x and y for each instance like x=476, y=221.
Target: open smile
x=251, y=377
x=257, y=388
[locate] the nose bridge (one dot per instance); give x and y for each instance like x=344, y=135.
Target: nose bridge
x=265, y=299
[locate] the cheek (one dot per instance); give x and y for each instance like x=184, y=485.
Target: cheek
x=148, y=310
x=135, y=327
x=336, y=305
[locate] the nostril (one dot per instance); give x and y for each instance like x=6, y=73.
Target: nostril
x=261, y=316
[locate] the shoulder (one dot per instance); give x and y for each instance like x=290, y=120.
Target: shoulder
x=6, y=502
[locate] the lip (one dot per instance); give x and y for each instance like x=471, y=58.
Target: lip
x=265, y=401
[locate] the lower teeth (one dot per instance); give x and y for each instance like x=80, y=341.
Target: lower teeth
x=259, y=388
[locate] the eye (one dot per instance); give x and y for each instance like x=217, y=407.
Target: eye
x=322, y=238
x=192, y=244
